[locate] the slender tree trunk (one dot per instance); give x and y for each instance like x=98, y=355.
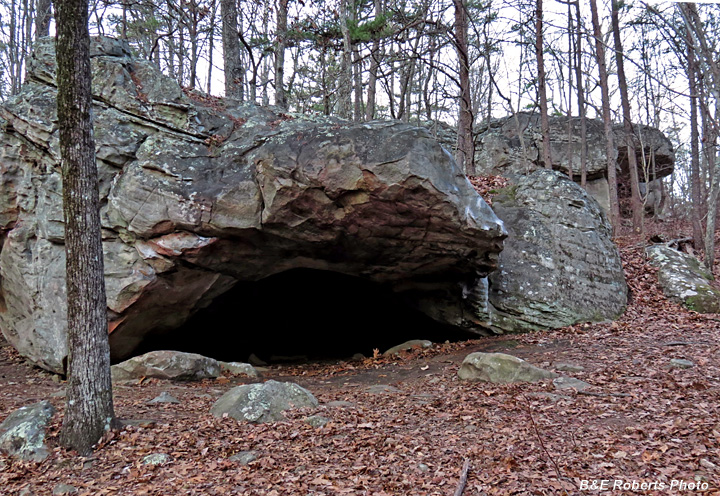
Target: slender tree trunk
x=609, y=139
x=280, y=42
x=43, y=17
x=695, y=191
x=465, y=155
x=542, y=93
x=581, y=99
x=636, y=201
x=374, y=66
x=345, y=79
x=89, y=412
x=211, y=47
x=231, y=49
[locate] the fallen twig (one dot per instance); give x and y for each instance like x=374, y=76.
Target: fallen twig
x=463, y=478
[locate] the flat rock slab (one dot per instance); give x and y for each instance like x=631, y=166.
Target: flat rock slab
x=500, y=368
x=244, y=457
x=562, y=383
x=681, y=363
x=166, y=364
x=22, y=433
x=239, y=368
x=683, y=279
x=408, y=345
x=264, y=402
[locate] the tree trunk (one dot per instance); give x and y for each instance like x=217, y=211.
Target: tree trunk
x=636, y=201
x=42, y=19
x=581, y=100
x=465, y=155
x=542, y=93
x=231, y=49
x=280, y=42
x=345, y=79
x=89, y=412
x=374, y=66
x=609, y=140
x=695, y=190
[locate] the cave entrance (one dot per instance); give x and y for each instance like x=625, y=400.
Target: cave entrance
x=303, y=314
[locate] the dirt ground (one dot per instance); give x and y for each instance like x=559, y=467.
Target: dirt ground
x=642, y=422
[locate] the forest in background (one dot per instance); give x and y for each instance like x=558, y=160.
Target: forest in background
x=463, y=62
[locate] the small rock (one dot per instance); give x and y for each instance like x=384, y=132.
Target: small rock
x=570, y=383
x=22, y=434
x=238, y=368
x=340, y=404
x=244, y=457
x=164, y=397
x=500, y=368
x=705, y=463
x=3, y=465
x=550, y=396
x=382, y=389
x=156, y=459
x=680, y=363
x=423, y=468
x=26, y=491
x=358, y=357
x=61, y=489
x=55, y=378
x=144, y=423
x=568, y=367
x=257, y=361
x=317, y=420
x=408, y=345
x=264, y=402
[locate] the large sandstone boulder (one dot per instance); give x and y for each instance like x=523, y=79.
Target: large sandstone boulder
x=167, y=364
x=199, y=194
x=560, y=265
x=512, y=147
x=683, y=279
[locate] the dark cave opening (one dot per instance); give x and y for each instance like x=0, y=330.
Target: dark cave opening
x=302, y=314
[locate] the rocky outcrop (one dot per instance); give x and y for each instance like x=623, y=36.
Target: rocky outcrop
x=560, y=265
x=512, y=147
x=263, y=403
x=198, y=194
x=683, y=279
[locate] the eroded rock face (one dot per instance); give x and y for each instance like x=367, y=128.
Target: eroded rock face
x=560, y=265
x=683, y=279
x=198, y=194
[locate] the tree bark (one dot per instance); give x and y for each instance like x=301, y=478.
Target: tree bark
x=581, y=100
x=280, y=42
x=374, y=67
x=465, y=155
x=231, y=49
x=42, y=18
x=695, y=190
x=345, y=79
x=636, y=201
x=89, y=412
x=609, y=140
x=542, y=92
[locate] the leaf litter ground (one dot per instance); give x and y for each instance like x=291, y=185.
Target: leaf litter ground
x=409, y=434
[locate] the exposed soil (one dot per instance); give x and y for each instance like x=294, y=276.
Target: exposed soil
x=640, y=421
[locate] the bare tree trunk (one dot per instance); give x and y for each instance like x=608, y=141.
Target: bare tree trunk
x=695, y=191
x=345, y=79
x=374, y=66
x=231, y=49
x=636, y=201
x=465, y=154
x=609, y=139
x=89, y=412
x=581, y=100
x=43, y=17
x=542, y=93
x=280, y=42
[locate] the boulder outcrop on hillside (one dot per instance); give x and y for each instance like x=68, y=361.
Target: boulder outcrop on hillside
x=560, y=265
x=198, y=194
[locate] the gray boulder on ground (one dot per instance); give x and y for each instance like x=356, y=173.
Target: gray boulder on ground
x=167, y=364
x=560, y=265
x=239, y=368
x=683, y=279
x=22, y=433
x=408, y=345
x=199, y=193
x=500, y=368
x=264, y=402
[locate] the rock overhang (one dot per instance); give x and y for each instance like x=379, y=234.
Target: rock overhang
x=199, y=193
